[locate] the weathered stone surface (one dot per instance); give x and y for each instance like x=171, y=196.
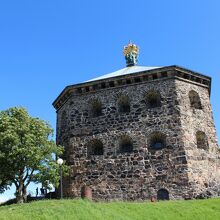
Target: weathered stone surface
x=180, y=167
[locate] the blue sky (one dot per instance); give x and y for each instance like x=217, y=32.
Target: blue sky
x=46, y=45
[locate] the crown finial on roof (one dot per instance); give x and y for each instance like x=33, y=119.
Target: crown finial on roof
x=131, y=52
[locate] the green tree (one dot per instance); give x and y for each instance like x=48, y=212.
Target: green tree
x=27, y=152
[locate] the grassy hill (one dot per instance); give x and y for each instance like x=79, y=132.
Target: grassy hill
x=83, y=210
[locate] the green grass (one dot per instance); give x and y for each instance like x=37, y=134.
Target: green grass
x=83, y=210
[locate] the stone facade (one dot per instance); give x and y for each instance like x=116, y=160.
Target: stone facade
x=140, y=136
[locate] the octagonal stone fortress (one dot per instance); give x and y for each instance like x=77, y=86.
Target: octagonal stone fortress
x=140, y=133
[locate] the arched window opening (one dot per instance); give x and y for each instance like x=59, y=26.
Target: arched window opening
x=201, y=140
x=123, y=104
x=96, y=108
x=195, y=101
x=95, y=147
x=153, y=99
x=162, y=194
x=125, y=145
x=157, y=141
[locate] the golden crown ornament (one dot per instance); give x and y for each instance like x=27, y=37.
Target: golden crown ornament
x=131, y=52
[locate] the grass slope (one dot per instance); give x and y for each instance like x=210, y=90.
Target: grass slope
x=83, y=210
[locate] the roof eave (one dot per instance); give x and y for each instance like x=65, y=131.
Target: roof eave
x=176, y=67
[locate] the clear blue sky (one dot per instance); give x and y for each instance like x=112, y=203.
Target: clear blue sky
x=46, y=45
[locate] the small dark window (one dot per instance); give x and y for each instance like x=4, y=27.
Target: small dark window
x=128, y=81
x=79, y=90
x=87, y=89
x=201, y=140
x=195, y=101
x=192, y=78
x=137, y=80
x=95, y=86
x=96, y=108
x=95, y=147
x=153, y=99
x=125, y=145
x=123, y=104
x=103, y=85
x=206, y=82
x=111, y=84
x=155, y=76
x=198, y=80
x=157, y=141
x=164, y=74
x=162, y=194
x=185, y=76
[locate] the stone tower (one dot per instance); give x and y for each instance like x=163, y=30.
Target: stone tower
x=138, y=133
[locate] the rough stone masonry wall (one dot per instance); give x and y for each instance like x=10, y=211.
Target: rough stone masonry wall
x=130, y=176
x=203, y=165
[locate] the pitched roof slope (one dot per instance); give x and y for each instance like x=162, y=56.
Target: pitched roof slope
x=124, y=71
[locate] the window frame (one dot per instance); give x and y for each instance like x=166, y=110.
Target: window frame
x=96, y=108
x=123, y=103
x=155, y=96
x=194, y=104
x=157, y=137
x=205, y=144
x=126, y=141
x=93, y=145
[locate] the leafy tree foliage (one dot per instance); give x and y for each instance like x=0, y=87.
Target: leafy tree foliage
x=27, y=152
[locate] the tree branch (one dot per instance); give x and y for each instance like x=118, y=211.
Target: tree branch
x=27, y=174
x=30, y=178
x=16, y=184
